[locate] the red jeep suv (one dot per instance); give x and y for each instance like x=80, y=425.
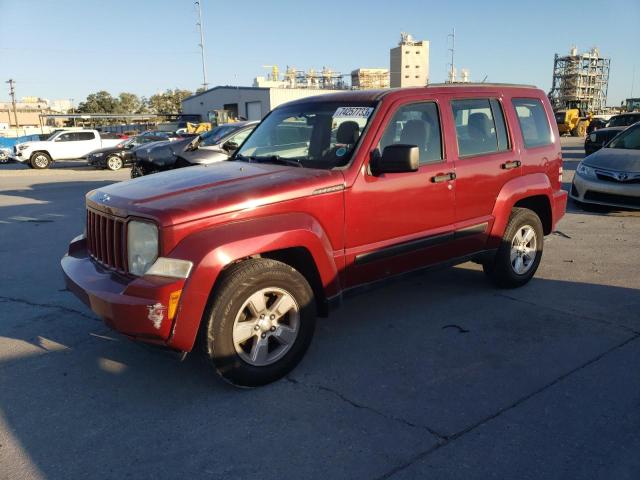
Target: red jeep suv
x=327, y=194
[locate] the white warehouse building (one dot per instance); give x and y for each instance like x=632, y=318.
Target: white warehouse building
x=252, y=103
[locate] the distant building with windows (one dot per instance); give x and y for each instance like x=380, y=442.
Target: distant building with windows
x=409, y=62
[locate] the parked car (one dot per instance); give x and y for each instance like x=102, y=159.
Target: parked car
x=328, y=194
x=5, y=153
x=213, y=146
x=611, y=176
x=114, y=158
x=616, y=124
x=62, y=145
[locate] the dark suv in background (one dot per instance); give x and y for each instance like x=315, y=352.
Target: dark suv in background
x=616, y=124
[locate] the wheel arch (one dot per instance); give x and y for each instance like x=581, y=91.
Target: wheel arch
x=533, y=191
x=295, y=239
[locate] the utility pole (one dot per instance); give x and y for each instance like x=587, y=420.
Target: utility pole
x=12, y=92
x=73, y=112
x=201, y=45
x=452, y=71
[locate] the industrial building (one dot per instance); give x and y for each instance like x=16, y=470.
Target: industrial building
x=409, y=62
x=252, y=103
x=580, y=80
x=370, y=78
x=293, y=78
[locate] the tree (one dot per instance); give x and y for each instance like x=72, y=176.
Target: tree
x=169, y=101
x=128, y=103
x=99, y=102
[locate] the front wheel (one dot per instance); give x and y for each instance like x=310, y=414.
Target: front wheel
x=260, y=323
x=114, y=162
x=40, y=160
x=520, y=251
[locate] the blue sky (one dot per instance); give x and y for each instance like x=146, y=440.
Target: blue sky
x=67, y=49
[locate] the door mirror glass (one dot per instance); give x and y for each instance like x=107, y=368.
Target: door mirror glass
x=397, y=158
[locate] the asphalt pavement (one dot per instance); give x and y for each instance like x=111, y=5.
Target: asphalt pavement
x=438, y=375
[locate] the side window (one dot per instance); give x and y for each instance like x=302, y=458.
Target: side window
x=238, y=138
x=533, y=122
x=480, y=126
x=84, y=136
x=65, y=137
x=416, y=124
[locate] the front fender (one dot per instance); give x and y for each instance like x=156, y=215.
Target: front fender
x=213, y=249
x=514, y=190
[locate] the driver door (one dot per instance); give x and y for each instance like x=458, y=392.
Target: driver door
x=402, y=221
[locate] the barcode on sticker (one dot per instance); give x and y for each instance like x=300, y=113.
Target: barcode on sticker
x=353, y=112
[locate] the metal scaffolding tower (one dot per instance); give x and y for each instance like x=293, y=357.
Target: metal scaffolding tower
x=580, y=80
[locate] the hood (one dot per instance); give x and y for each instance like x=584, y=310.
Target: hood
x=204, y=155
x=34, y=144
x=162, y=154
x=609, y=130
x=616, y=159
x=188, y=194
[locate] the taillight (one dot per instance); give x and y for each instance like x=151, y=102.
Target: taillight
x=560, y=174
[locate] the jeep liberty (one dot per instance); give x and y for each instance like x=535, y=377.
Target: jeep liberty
x=327, y=194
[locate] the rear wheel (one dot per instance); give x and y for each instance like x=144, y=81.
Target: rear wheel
x=40, y=160
x=520, y=251
x=114, y=162
x=260, y=323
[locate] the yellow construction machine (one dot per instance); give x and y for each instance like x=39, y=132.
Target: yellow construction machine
x=571, y=121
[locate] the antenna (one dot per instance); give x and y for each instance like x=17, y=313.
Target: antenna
x=452, y=71
x=201, y=45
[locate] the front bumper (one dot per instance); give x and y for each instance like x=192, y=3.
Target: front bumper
x=604, y=192
x=134, y=306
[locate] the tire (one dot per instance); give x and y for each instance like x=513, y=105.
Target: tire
x=503, y=269
x=114, y=163
x=40, y=160
x=235, y=310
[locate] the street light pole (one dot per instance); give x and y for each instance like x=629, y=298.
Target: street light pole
x=12, y=92
x=201, y=45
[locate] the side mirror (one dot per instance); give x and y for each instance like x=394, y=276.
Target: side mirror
x=230, y=146
x=396, y=159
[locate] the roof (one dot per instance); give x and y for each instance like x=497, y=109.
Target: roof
x=376, y=95
x=224, y=86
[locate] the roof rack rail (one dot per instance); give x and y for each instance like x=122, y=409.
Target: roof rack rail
x=480, y=84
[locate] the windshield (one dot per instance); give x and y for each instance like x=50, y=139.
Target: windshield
x=315, y=135
x=212, y=137
x=629, y=139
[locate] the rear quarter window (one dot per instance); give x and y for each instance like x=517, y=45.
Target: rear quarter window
x=534, y=124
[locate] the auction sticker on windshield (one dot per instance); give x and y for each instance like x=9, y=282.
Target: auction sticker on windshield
x=353, y=112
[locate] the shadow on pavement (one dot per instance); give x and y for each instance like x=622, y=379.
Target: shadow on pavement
x=397, y=370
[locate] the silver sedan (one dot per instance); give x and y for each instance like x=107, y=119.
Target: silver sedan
x=611, y=176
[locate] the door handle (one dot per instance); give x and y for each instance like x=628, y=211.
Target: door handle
x=509, y=165
x=443, y=177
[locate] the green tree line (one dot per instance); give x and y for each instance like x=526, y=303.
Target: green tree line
x=168, y=101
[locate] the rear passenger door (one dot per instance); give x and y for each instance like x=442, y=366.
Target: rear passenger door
x=85, y=142
x=485, y=159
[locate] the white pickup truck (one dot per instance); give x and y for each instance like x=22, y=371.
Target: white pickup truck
x=62, y=145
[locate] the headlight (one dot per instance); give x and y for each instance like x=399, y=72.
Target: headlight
x=585, y=171
x=23, y=147
x=592, y=137
x=142, y=246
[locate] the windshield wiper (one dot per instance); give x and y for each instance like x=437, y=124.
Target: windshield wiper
x=269, y=159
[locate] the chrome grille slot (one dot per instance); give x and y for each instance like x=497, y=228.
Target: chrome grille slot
x=106, y=240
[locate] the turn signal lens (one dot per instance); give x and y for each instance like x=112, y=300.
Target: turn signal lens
x=174, y=299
